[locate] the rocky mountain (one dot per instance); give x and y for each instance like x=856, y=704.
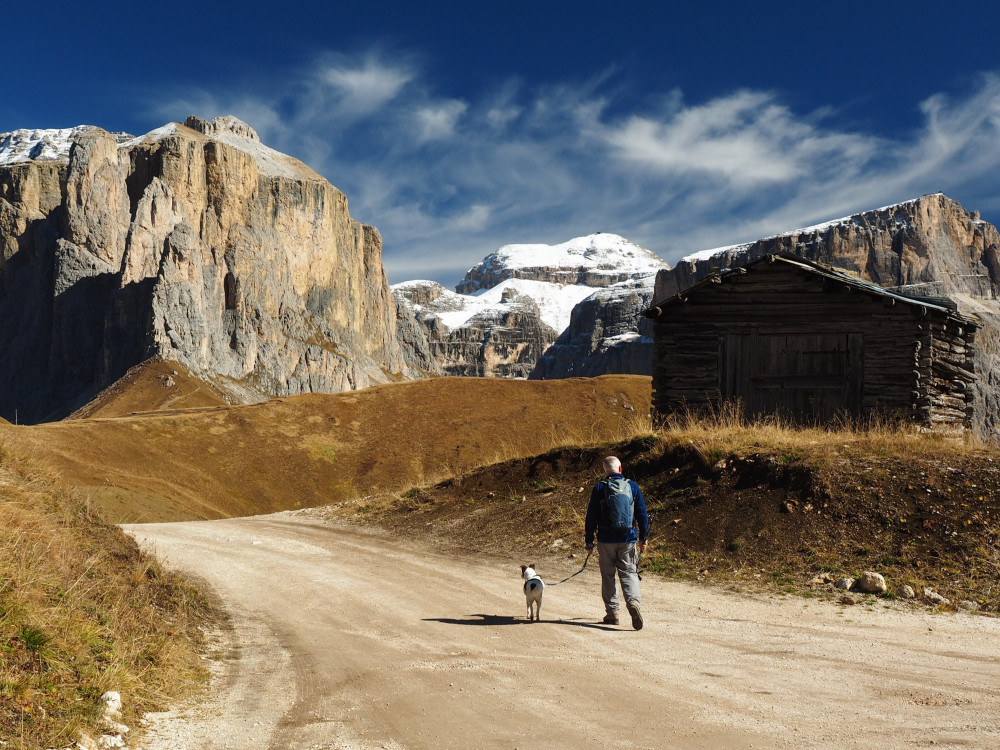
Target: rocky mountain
x=930, y=246
x=194, y=243
x=607, y=334
x=511, y=308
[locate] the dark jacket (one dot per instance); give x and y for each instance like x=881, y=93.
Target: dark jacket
x=615, y=536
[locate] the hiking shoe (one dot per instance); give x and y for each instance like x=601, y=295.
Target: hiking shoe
x=633, y=609
x=610, y=619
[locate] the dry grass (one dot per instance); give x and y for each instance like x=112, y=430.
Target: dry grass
x=82, y=611
x=730, y=431
x=320, y=449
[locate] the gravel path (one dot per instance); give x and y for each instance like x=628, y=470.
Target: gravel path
x=348, y=639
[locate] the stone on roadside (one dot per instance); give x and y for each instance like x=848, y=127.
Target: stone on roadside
x=969, y=605
x=848, y=599
x=843, y=583
x=906, y=592
x=935, y=598
x=870, y=583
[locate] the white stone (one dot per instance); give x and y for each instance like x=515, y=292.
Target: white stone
x=871, y=583
x=935, y=598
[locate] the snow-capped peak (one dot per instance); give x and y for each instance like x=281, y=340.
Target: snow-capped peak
x=595, y=260
x=37, y=145
x=600, y=251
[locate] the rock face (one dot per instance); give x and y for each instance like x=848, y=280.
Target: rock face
x=607, y=334
x=510, y=308
x=440, y=335
x=194, y=243
x=930, y=246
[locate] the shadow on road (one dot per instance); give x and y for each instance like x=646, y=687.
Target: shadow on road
x=508, y=620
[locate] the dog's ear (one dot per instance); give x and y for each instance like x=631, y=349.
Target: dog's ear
x=532, y=565
x=524, y=568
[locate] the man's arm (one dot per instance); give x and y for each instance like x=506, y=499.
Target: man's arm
x=640, y=514
x=590, y=525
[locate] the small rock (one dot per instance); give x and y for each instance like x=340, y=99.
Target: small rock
x=871, y=583
x=169, y=382
x=848, y=599
x=843, y=583
x=112, y=703
x=935, y=598
x=968, y=605
x=174, y=373
x=906, y=592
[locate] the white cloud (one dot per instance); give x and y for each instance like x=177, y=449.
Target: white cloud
x=436, y=122
x=745, y=138
x=367, y=87
x=447, y=180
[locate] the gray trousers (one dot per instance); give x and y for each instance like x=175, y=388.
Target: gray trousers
x=624, y=559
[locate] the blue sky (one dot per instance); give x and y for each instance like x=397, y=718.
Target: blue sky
x=458, y=127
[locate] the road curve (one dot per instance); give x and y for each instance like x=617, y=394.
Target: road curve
x=348, y=639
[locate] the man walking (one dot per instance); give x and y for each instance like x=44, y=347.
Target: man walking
x=616, y=508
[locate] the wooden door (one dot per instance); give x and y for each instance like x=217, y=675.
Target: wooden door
x=808, y=377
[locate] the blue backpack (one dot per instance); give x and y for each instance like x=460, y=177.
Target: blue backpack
x=618, y=505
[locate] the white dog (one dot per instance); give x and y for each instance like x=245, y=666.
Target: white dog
x=533, y=588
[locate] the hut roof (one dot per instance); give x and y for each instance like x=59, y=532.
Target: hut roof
x=943, y=305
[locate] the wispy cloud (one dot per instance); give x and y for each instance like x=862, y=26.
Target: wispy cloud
x=447, y=179
x=366, y=87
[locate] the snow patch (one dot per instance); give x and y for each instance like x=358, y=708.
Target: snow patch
x=555, y=301
x=610, y=253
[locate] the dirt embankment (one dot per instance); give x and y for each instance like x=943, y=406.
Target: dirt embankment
x=740, y=517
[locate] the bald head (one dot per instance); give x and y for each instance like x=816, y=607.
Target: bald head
x=612, y=465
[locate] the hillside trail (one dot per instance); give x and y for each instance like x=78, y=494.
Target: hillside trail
x=347, y=638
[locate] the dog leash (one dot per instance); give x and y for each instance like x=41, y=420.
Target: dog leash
x=548, y=585
x=638, y=562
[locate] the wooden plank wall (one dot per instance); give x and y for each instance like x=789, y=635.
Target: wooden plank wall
x=901, y=357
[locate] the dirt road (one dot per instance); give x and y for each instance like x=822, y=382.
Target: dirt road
x=348, y=639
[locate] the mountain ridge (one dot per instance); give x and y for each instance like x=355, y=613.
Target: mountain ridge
x=194, y=243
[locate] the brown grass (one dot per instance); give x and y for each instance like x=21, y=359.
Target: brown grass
x=154, y=385
x=82, y=611
x=320, y=449
x=729, y=430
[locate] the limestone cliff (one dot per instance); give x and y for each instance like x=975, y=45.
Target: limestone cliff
x=193, y=243
x=930, y=246
x=607, y=334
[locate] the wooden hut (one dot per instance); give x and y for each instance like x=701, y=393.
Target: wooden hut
x=789, y=336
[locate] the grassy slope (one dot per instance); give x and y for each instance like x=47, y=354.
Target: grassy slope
x=81, y=612
x=155, y=385
x=318, y=449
